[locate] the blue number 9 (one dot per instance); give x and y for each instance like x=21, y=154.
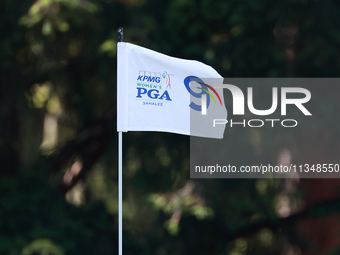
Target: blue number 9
x=187, y=81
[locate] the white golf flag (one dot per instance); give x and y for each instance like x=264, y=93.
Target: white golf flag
x=156, y=92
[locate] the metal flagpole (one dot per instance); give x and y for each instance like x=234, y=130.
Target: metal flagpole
x=120, y=175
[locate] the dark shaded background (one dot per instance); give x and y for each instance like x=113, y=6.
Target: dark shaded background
x=58, y=140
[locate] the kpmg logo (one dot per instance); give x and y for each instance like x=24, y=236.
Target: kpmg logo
x=149, y=77
x=301, y=97
x=153, y=87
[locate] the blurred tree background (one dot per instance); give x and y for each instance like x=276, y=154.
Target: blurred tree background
x=58, y=140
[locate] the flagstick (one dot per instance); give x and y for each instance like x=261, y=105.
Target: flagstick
x=120, y=176
x=120, y=193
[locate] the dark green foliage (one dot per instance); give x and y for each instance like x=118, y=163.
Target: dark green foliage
x=57, y=111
